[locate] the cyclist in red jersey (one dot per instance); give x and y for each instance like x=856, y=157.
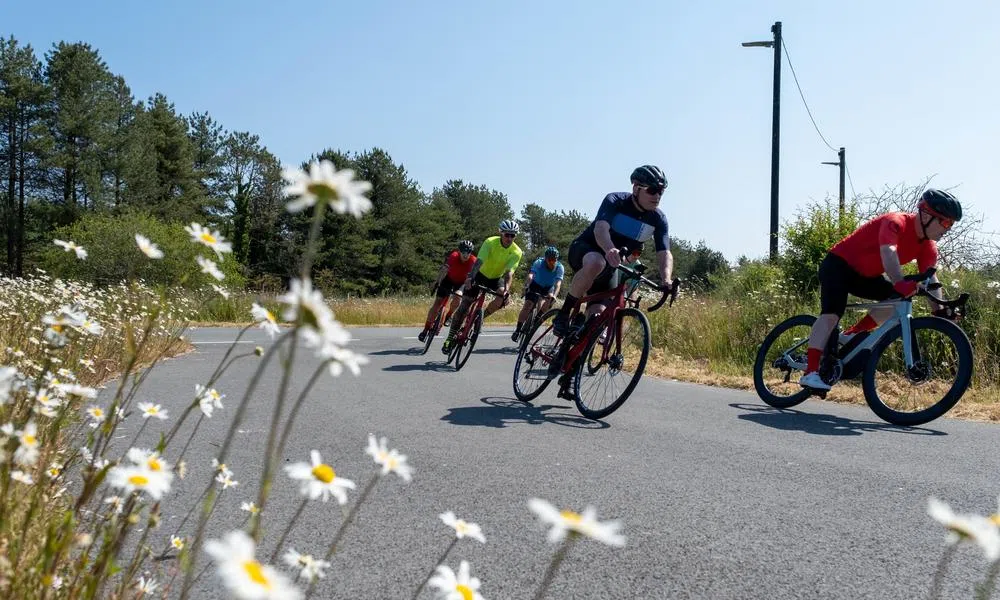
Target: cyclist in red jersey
x=451, y=277
x=868, y=263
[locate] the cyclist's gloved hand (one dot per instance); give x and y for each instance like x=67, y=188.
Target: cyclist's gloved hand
x=666, y=288
x=613, y=257
x=905, y=288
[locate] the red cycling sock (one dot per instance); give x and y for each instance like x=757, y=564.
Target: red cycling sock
x=866, y=324
x=812, y=359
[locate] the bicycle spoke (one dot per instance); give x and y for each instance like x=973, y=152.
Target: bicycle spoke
x=914, y=389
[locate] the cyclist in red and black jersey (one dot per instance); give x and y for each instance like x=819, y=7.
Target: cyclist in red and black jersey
x=868, y=263
x=451, y=277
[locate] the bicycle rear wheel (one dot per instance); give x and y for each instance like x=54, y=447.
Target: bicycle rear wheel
x=603, y=391
x=531, y=371
x=463, y=357
x=781, y=356
x=941, y=372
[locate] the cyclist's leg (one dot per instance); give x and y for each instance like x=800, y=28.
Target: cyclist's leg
x=531, y=298
x=459, y=316
x=498, y=302
x=456, y=299
x=835, y=277
x=872, y=288
x=441, y=296
x=588, y=264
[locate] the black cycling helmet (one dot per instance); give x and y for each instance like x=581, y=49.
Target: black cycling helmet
x=509, y=226
x=552, y=252
x=465, y=246
x=649, y=176
x=940, y=204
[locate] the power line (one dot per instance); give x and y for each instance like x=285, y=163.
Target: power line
x=853, y=193
x=804, y=103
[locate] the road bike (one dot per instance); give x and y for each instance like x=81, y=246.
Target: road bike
x=614, y=344
x=912, y=369
x=440, y=318
x=472, y=324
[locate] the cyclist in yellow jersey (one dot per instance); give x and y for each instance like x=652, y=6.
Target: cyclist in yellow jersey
x=496, y=261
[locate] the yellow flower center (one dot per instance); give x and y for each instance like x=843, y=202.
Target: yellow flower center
x=324, y=473
x=570, y=517
x=154, y=464
x=996, y=519
x=178, y=543
x=256, y=573
x=29, y=440
x=321, y=190
x=57, y=328
x=392, y=463
x=271, y=318
x=97, y=413
x=208, y=238
x=461, y=527
x=465, y=591
x=138, y=480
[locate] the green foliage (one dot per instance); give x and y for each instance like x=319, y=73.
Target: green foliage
x=809, y=237
x=113, y=255
x=698, y=266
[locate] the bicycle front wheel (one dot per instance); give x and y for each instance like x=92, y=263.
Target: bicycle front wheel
x=780, y=362
x=602, y=391
x=531, y=371
x=941, y=372
x=431, y=333
x=465, y=350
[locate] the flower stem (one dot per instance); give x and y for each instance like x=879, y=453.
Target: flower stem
x=423, y=583
x=985, y=590
x=295, y=409
x=284, y=535
x=942, y=566
x=550, y=573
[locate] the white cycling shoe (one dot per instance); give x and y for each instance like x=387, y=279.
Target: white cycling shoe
x=814, y=382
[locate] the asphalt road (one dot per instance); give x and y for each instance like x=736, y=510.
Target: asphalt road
x=720, y=495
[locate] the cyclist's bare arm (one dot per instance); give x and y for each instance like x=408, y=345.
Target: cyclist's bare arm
x=602, y=233
x=890, y=262
x=441, y=274
x=555, y=288
x=475, y=269
x=665, y=260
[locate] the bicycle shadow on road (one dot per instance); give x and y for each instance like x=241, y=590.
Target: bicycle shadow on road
x=415, y=351
x=505, y=350
x=502, y=412
x=820, y=424
x=438, y=366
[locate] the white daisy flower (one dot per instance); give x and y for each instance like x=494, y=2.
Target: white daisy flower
x=209, y=267
x=146, y=586
x=209, y=238
x=27, y=449
x=8, y=379
x=91, y=327
x=221, y=291
x=462, y=528
x=54, y=471
x=152, y=410
x=97, y=415
x=390, y=460
x=115, y=502
x=265, y=319
x=71, y=247
x=980, y=530
x=21, y=477
x=323, y=183
x=456, y=587
x=140, y=479
x=208, y=399
x=57, y=582
x=243, y=575
x=309, y=568
x=177, y=542
x=319, y=479
x=227, y=481
x=77, y=391
x=221, y=467
x=250, y=507
x=586, y=523
x=151, y=460
x=147, y=247
x=342, y=357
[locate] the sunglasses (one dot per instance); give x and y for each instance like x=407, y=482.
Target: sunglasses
x=654, y=191
x=509, y=235
x=946, y=223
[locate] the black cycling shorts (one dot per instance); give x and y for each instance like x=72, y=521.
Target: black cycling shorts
x=535, y=291
x=446, y=288
x=837, y=279
x=607, y=279
x=486, y=282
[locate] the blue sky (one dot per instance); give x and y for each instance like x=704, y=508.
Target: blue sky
x=555, y=102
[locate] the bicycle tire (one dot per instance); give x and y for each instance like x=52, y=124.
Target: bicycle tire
x=470, y=343
x=542, y=326
x=763, y=392
x=432, y=332
x=963, y=377
x=584, y=408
